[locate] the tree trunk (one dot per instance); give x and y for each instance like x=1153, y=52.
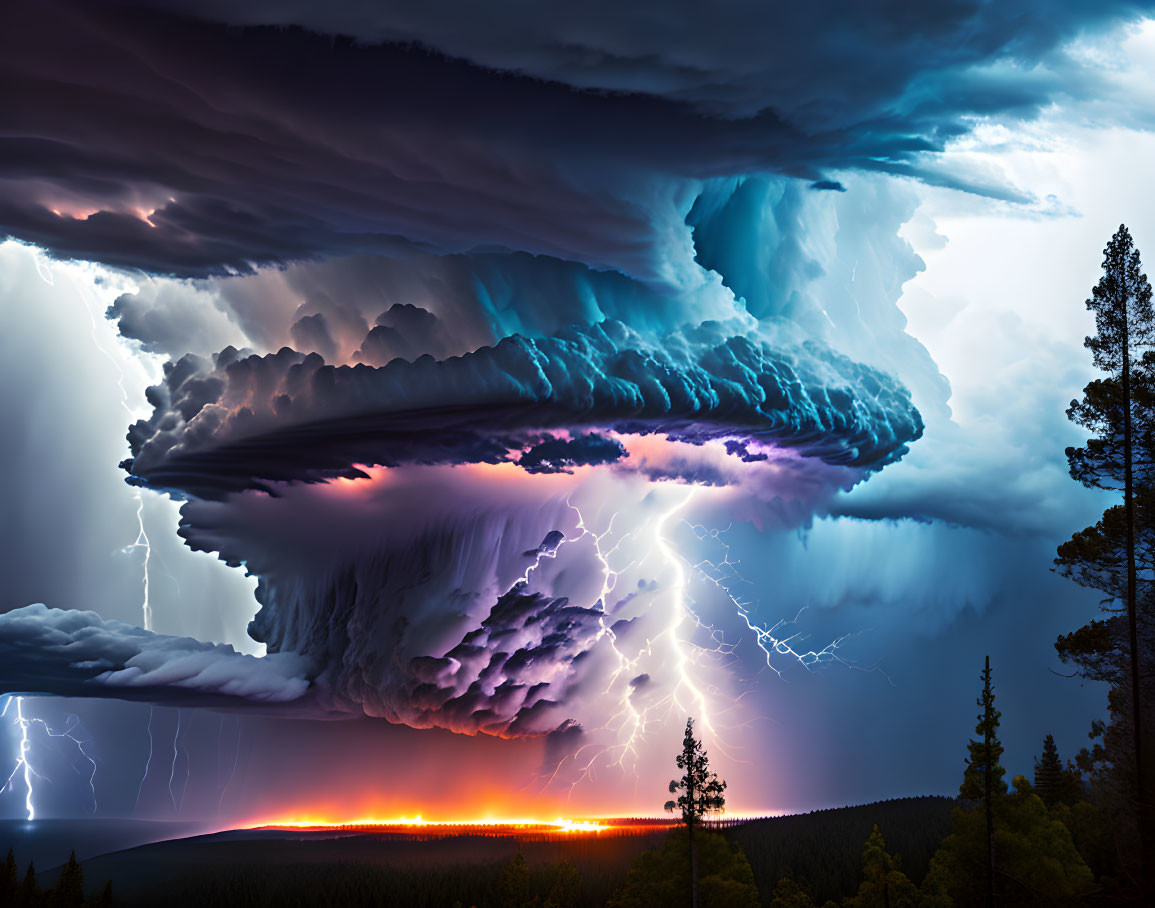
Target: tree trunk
x=987, y=793
x=693, y=870
x=1146, y=818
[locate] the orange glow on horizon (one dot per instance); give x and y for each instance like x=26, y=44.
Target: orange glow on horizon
x=312, y=822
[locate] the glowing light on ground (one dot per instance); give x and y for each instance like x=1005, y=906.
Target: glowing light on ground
x=558, y=824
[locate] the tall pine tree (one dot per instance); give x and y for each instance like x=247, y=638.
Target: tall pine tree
x=1050, y=777
x=1118, y=411
x=983, y=777
x=701, y=794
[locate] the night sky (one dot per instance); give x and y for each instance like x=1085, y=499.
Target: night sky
x=425, y=407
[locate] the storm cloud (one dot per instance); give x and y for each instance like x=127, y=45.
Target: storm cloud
x=288, y=416
x=140, y=137
x=79, y=654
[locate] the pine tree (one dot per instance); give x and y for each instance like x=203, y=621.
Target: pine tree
x=1117, y=411
x=513, y=888
x=702, y=794
x=69, y=889
x=9, y=879
x=983, y=777
x=567, y=887
x=884, y=885
x=1049, y=773
x=29, y=894
x=105, y=900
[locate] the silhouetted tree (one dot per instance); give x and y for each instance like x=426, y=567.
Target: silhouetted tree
x=701, y=794
x=790, y=894
x=105, y=898
x=1038, y=862
x=69, y=889
x=884, y=885
x=9, y=880
x=1117, y=411
x=565, y=892
x=661, y=876
x=513, y=889
x=983, y=777
x=1054, y=782
x=29, y=893
x=1048, y=772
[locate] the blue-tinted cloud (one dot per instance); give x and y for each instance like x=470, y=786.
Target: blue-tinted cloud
x=186, y=147
x=79, y=654
x=287, y=416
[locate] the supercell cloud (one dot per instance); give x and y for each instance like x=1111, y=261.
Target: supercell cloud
x=461, y=311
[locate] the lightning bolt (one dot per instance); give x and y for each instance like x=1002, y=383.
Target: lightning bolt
x=73, y=724
x=175, y=757
x=236, y=759
x=22, y=760
x=142, y=541
x=148, y=760
x=647, y=541
x=24, y=750
x=724, y=574
x=683, y=638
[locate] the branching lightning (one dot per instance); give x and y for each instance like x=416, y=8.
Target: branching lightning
x=724, y=575
x=647, y=543
x=141, y=542
x=73, y=724
x=24, y=767
x=22, y=756
x=684, y=637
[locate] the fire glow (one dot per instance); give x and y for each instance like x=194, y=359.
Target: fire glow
x=455, y=827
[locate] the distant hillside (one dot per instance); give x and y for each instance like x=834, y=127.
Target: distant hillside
x=288, y=869
x=825, y=847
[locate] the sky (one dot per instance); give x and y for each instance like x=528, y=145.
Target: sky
x=411, y=412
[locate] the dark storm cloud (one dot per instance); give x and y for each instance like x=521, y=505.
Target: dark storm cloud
x=290, y=416
x=553, y=455
x=814, y=64
x=186, y=147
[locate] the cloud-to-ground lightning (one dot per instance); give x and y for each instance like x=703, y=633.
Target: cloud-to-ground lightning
x=24, y=767
x=615, y=553
x=644, y=543
x=22, y=756
x=141, y=542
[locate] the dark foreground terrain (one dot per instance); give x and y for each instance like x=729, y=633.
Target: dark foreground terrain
x=351, y=868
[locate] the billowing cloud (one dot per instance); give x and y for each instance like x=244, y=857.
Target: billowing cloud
x=79, y=654
x=286, y=415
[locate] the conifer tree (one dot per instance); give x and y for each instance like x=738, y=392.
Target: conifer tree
x=1049, y=773
x=983, y=777
x=69, y=889
x=1117, y=410
x=514, y=884
x=29, y=894
x=9, y=879
x=701, y=794
x=884, y=885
